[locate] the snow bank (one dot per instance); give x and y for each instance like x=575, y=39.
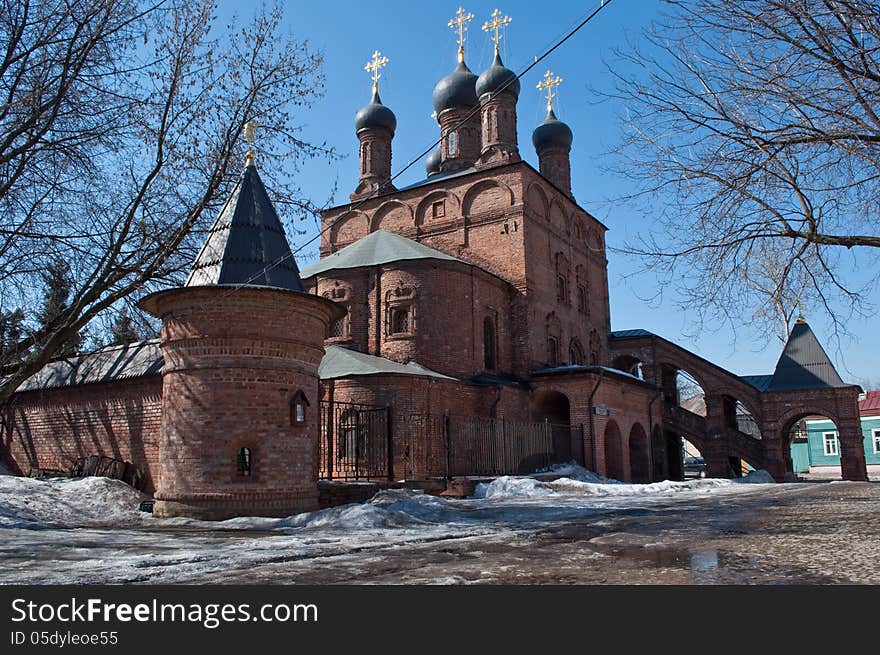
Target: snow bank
x=577, y=472
x=756, y=477
x=77, y=502
x=512, y=487
x=393, y=508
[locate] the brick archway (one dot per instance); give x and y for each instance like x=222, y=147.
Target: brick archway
x=614, y=452
x=639, y=454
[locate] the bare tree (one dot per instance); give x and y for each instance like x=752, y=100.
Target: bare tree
x=752, y=132
x=119, y=136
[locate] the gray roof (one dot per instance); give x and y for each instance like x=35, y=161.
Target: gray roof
x=436, y=177
x=247, y=244
x=631, y=334
x=339, y=362
x=804, y=363
x=115, y=363
x=379, y=247
x=760, y=382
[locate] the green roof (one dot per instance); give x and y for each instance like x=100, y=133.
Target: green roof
x=379, y=247
x=339, y=362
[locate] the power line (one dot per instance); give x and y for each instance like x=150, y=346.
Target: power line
x=418, y=158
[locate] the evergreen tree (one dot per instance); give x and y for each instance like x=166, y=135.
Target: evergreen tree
x=123, y=331
x=57, y=286
x=11, y=331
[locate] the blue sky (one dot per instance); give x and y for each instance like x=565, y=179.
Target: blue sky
x=422, y=50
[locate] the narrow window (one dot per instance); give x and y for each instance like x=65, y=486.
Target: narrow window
x=298, y=405
x=552, y=351
x=489, y=344
x=400, y=320
x=830, y=441
x=453, y=144
x=244, y=462
x=561, y=291
x=337, y=329
x=575, y=354
x=438, y=209
x=877, y=441
x=582, y=299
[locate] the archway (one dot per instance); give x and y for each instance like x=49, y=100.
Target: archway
x=689, y=393
x=692, y=463
x=553, y=407
x=628, y=364
x=811, y=448
x=613, y=452
x=639, y=455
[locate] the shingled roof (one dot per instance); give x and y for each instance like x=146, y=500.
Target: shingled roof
x=247, y=244
x=379, y=247
x=804, y=363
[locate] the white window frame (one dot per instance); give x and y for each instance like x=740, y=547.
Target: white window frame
x=836, y=442
x=453, y=144
x=875, y=436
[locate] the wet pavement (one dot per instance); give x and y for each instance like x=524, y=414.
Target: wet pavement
x=805, y=533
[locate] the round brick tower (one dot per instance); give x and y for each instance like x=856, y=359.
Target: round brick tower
x=242, y=342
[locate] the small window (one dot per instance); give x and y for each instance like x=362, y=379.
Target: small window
x=831, y=445
x=877, y=441
x=298, y=405
x=438, y=209
x=400, y=323
x=575, y=354
x=561, y=289
x=582, y=299
x=337, y=329
x=453, y=144
x=244, y=462
x=552, y=351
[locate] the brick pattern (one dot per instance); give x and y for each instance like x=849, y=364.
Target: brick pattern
x=53, y=428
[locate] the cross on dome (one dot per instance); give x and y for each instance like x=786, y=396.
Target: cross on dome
x=373, y=67
x=497, y=23
x=549, y=83
x=459, y=22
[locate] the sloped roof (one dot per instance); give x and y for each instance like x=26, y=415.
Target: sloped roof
x=760, y=382
x=107, y=365
x=247, y=244
x=631, y=334
x=379, y=247
x=870, y=404
x=804, y=363
x=339, y=362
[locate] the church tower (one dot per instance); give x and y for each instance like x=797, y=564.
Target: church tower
x=375, y=125
x=498, y=90
x=455, y=105
x=552, y=140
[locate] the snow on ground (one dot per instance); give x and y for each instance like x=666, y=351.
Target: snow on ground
x=89, y=530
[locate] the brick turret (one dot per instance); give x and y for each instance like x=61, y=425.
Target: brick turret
x=241, y=343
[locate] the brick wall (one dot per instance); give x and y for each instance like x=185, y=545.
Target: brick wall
x=53, y=428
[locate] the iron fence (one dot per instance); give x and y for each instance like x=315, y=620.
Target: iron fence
x=355, y=442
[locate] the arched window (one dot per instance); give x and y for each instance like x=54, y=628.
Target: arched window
x=298, y=405
x=561, y=290
x=489, y=344
x=552, y=351
x=244, y=462
x=452, y=140
x=575, y=353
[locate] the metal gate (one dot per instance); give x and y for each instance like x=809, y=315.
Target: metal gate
x=355, y=442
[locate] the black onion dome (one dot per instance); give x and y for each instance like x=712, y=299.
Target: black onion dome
x=552, y=133
x=495, y=77
x=375, y=115
x=432, y=162
x=457, y=90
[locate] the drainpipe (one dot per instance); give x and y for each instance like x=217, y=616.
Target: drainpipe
x=592, y=421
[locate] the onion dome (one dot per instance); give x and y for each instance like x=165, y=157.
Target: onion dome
x=495, y=78
x=457, y=90
x=552, y=133
x=375, y=115
x=432, y=162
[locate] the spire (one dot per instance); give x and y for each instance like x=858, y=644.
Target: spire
x=803, y=363
x=246, y=244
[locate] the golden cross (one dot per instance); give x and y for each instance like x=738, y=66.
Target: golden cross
x=249, y=133
x=459, y=22
x=374, y=65
x=496, y=24
x=549, y=83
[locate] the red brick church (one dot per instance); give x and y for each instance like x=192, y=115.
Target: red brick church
x=475, y=340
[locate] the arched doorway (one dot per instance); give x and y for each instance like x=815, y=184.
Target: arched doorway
x=553, y=407
x=811, y=448
x=639, y=455
x=613, y=452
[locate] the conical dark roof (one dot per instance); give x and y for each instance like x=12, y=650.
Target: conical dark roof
x=804, y=363
x=247, y=242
